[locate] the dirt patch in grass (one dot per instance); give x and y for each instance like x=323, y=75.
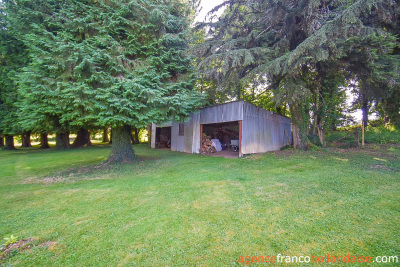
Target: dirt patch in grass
x=370, y=149
x=50, y=245
x=70, y=174
x=148, y=158
x=8, y=251
x=224, y=154
x=285, y=154
x=384, y=158
x=380, y=167
x=87, y=172
x=23, y=245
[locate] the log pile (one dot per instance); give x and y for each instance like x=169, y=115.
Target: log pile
x=206, y=145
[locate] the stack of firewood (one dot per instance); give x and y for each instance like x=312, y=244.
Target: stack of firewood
x=206, y=145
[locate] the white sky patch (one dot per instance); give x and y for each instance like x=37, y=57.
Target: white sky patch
x=207, y=6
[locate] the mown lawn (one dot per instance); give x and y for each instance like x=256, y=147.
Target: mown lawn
x=174, y=209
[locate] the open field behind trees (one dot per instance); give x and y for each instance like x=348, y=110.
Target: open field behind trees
x=183, y=210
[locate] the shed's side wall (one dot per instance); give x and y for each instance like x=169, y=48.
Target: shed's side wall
x=263, y=130
x=190, y=141
x=176, y=140
x=222, y=113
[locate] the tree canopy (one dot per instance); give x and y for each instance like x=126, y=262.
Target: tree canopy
x=283, y=46
x=113, y=63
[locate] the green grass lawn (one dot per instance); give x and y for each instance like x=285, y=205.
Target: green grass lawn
x=174, y=209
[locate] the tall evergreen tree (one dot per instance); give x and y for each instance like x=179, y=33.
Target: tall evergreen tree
x=13, y=57
x=114, y=63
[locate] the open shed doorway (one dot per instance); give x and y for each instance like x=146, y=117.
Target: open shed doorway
x=163, y=137
x=225, y=137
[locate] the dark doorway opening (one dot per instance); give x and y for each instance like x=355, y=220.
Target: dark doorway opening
x=163, y=137
x=224, y=136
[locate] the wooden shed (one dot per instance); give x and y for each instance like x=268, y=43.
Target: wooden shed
x=254, y=129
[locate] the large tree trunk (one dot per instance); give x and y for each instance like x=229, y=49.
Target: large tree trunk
x=364, y=109
x=149, y=135
x=319, y=129
x=62, y=140
x=364, y=89
x=136, y=137
x=121, y=149
x=321, y=134
x=1, y=140
x=105, y=135
x=44, y=141
x=26, y=139
x=129, y=130
x=82, y=138
x=299, y=126
x=319, y=105
x=9, y=142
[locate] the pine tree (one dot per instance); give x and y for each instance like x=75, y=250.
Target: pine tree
x=13, y=56
x=115, y=63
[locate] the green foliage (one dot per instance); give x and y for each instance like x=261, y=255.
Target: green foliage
x=381, y=134
x=346, y=137
x=375, y=63
x=103, y=62
x=10, y=240
x=13, y=56
x=386, y=134
x=265, y=99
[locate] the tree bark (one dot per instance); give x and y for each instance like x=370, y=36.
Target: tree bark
x=105, y=135
x=320, y=129
x=364, y=109
x=82, y=138
x=44, y=141
x=62, y=140
x=136, y=137
x=1, y=140
x=129, y=130
x=299, y=126
x=321, y=135
x=9, y=142
x=149, y=135
x=26, y=139
x=121, y=149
